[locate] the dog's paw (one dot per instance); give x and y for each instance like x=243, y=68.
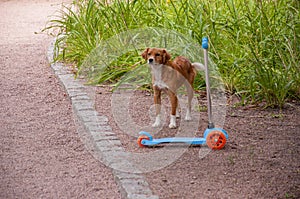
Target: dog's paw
x=188, y=118
x=157, y=121
x=172, y=126
x=156, y=124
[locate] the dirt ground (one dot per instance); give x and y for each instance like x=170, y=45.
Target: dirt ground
x=260, y=160
x=41, y=154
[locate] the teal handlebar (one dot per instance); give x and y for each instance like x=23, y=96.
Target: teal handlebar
x=205, y=42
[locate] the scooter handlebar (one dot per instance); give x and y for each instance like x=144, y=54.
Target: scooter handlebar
x=205, y=42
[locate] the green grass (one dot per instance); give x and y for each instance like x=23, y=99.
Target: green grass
x=254, y=44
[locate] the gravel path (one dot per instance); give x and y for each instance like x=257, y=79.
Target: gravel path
x=41, y=154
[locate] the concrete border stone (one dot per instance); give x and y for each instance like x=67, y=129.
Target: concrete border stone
x=131, y=185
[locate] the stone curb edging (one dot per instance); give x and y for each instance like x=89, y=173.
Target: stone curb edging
x=105, y=143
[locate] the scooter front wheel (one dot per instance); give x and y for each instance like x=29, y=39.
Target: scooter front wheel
x=216, y=140
x=140, y=140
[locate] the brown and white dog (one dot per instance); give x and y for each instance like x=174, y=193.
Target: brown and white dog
x=168, y=76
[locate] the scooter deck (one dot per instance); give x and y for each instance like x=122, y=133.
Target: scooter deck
x=186, y=140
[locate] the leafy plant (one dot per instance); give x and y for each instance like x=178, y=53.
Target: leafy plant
x=254, y=44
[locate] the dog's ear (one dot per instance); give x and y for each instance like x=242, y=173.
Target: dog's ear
x=145, y=53
x=166, y=56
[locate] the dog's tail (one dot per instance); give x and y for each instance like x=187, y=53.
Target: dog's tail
x=198, y=66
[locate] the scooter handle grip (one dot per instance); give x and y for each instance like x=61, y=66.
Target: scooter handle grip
x=205, y=42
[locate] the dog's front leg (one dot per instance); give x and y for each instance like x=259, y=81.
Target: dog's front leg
x=174, y=104
x=157, y=102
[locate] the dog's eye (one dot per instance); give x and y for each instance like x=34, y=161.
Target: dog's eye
x=157, y=54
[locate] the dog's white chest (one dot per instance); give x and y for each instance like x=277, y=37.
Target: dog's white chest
x=157, y=73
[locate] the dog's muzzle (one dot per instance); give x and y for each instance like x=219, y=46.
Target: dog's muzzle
x=150, y=60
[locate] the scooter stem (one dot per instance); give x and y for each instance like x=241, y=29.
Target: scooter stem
x=205, y=50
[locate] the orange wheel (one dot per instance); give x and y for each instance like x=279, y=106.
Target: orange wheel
x=141, y=138
x=216, y=140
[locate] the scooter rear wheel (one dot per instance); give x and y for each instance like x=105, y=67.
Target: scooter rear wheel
x=216, y=140
x=140, y=139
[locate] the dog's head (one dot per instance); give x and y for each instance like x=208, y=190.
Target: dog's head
x=156, y=56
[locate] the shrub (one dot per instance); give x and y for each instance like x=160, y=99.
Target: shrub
x=255, y=44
